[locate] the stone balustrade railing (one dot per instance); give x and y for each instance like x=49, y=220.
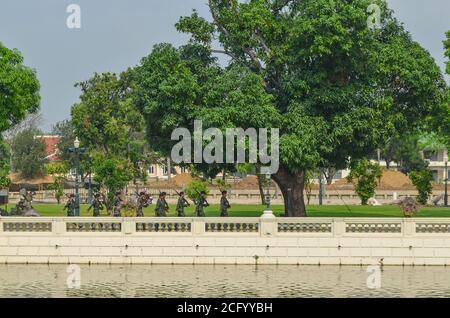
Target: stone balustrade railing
x=334, y=227
x=265, y=240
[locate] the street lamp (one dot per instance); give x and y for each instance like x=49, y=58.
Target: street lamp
x=268, y=175
x=77, y=151
x=446, y=185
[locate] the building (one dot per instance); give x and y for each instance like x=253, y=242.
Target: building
x=51, y=146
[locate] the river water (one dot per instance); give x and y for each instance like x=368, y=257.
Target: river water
x=221, y=281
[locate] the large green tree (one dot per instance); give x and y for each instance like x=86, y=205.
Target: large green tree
x=29, y=154
x=19, y=96
x=313, y=68
x=110, y=128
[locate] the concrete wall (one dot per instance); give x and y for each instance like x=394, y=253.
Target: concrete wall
x=389, y=241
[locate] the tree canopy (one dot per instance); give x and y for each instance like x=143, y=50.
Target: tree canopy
x=19, y=96
x=335, y=88
x=29, y=154
x=19, y=89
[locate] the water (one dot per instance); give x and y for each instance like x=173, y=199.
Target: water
x=222, y=281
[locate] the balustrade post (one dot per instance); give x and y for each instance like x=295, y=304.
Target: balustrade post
x=268, y=223
x=59, y=226
x=198, y=226
x=128, y=226
x=409, y=227
x=338, y=227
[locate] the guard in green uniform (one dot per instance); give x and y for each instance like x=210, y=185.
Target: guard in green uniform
x=97, y=205
x=224, y=204
x=181, y=204
x=200, y=204
x=70, y=205
x=161, y=205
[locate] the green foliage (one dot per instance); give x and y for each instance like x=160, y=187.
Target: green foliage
x=112, y=172
x=447, y=51
x=110, y=127
x=223, y=185
x=105, y=120
x=58, y=170
x=405, y=151
x=422, y=181
x=365, y=176
x=311, y=68
x=29, y=154
x=65, y=130
x=195, y=187
x=4, y=167
x=19, y=89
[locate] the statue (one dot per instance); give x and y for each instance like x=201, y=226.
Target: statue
x=70, y=205
x=143, y=201
x=201, y=204
x=224, y=204
x=97, y=204
x=24, y=207
x=181, y=204
x=162, y=208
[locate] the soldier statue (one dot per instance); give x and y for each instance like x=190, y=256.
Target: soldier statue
x=24, y=207
x=162, y=208
x=97, y=204
x=181, y=204
x=142, y=202
x=71, y=205
x=224, y=204
x=117, y=204
x=200, y=204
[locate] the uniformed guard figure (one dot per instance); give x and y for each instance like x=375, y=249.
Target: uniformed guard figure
x=117, y=205
x=200, y=204
x=224, y=204
x=142, y=202
x=70, y=205
x=181, y=204
x=97, y=205
x=161, y=205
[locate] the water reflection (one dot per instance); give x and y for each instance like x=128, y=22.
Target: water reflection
x=222, y=281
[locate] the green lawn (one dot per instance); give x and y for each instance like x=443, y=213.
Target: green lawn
x=240, y=210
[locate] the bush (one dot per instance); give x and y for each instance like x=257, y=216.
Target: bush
x=365, y=175
x=194, y=188
x=422, y=181
x=409, y=206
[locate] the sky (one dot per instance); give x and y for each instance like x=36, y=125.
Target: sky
x=116, y=34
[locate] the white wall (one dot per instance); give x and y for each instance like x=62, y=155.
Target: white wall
x=389, y=241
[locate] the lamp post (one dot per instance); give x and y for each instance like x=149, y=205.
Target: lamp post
x=268, y=190
x=77, y=151
x=446, y=185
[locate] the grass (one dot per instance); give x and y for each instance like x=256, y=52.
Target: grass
x=254, y=210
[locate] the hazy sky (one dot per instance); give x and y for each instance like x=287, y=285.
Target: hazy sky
x=116, y=34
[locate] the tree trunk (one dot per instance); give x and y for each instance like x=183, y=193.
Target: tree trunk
x=292, y=187
x=169, y=169
x=261, y=189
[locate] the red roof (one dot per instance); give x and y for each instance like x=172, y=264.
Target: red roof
x=51, y=149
